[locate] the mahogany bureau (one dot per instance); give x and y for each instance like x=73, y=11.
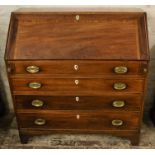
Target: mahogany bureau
x=78, y=72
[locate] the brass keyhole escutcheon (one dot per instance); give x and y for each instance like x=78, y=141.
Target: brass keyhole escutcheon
x=77, y=17
x=76, y=82
x=76, y=67
x=77, y=116
x=77, y=99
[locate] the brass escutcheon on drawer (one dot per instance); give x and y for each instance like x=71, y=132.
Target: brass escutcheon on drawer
x=37, y=103
x=119, y=86
x=76, y=82
x=34, y=85
x=120, y=70
x=77, y=116
x=40, y=121
x=76, y=67
x=32, y=69
x=77, y=17
x=118, y=104
x=77, y=99
x=117, y=122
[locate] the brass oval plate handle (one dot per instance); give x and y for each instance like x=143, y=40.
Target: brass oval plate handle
x=118, y=104
x=37, y=103
x=32, y=69
x=119, y=86
x=34, y=85
x=40, y=121
x=120, y=70
x=117, y=122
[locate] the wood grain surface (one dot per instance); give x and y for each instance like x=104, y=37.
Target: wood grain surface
x=108, y=36
x=105, y=102
x=94, y=42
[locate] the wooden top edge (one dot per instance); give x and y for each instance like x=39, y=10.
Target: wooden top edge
x=70, y=9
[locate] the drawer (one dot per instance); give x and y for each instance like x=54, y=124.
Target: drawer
x=87, y=120
x=77, y=86
x=112, y=102
x=75, y=68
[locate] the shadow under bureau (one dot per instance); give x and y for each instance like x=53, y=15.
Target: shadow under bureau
x=78, y=72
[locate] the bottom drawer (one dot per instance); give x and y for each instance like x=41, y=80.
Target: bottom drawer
x=84, y=120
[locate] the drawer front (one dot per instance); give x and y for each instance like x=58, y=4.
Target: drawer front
x=78, y=67
x=112, y=102
x=78, y=86
x=98, y=120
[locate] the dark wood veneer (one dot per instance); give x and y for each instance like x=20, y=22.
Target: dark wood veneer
x=90, y=120
x=109, y=36
x=85, y=68
x=89, y=85
x=132, y=102
x=97, y=42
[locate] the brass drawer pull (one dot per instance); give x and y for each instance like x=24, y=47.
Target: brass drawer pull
x=117, y=122
x=76, y=67
x=35, y=85
x=120, y=86
x=37, y=103
x=32, y=69
x=120, y=70
x=118, y=104
x=40, y=121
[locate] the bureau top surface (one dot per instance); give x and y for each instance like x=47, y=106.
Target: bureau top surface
x=45, y=35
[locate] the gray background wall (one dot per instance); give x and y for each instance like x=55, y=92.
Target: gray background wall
x=4, y=22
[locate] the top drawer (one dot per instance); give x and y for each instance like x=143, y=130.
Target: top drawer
x=77, y=67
